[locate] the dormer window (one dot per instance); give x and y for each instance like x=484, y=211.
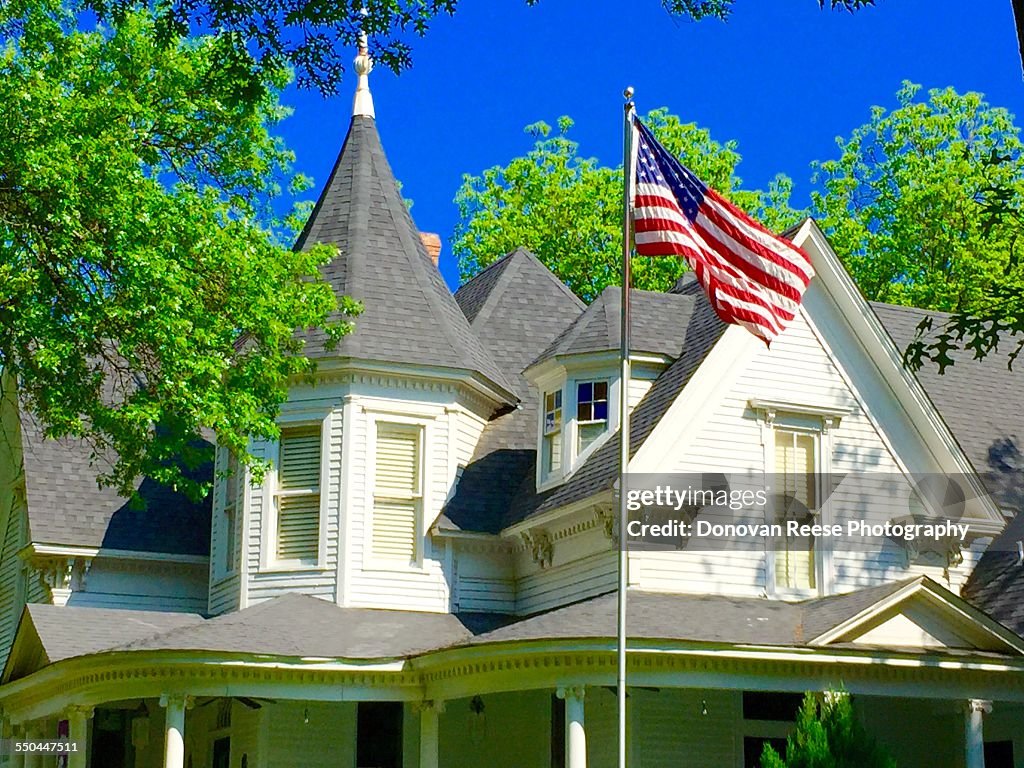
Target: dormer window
x=551, y=458
x=591, y=413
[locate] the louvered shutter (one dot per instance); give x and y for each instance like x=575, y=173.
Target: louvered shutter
x=794, y=468
x=298, y=498
x=232, y=503
x=397, y=492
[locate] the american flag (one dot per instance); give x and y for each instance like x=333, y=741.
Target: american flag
x=750, y=276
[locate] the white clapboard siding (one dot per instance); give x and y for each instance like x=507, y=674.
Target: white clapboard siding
x=577, y=579
x=685, y=728
x=11, y=595
x=486, y=595
x=326, y=741
x=144, y=585
x=797, y=369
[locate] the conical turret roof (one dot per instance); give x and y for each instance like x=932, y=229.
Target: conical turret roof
x=410, y=316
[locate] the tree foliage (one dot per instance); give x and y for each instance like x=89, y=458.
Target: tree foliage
x=905, y=204
x=721, y=9
x=567, y=209
x=146, y=292
x=828, y=735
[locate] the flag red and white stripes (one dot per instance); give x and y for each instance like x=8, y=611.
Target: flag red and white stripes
x=751, y=277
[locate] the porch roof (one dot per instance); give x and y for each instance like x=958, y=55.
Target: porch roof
x=298, y=626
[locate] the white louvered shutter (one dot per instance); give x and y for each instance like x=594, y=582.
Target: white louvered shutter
x=298, y=495
x=397, y=492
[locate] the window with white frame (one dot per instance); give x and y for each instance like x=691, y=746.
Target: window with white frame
x=298, y=495
x=591, y=413
x=397, y=492
x=551, y=445
x=796, y=499
x=232, y=505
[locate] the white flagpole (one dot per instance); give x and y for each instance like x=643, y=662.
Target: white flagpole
x=627, y=249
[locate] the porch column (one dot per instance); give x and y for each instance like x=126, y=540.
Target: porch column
x=974, y=731
x=78, y=734
x=174, y=728
x=575, y=730
x=33, y=759
x=429, y=742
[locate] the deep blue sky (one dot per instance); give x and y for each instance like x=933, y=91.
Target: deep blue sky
x=781, y=77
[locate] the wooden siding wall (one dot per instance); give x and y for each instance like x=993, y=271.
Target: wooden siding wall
x=12, y=598
x=144, y=585
x=517, y=733
x=327, y=741
x=797, y=369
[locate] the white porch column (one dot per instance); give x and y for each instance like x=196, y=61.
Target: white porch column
x=78, y=733
x=174, y=728
x=429, y=742
x=575, y=727
x=974, y=731
x=33, y=759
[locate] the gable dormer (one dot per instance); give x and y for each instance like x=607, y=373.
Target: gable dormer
x=578, y=376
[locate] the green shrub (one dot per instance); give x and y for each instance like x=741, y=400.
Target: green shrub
x=828, y=735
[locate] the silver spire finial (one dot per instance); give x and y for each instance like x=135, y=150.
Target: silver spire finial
x=362, y=104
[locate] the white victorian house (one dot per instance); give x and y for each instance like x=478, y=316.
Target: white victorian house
x=426, y=577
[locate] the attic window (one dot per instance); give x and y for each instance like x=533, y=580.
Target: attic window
x=795, y=475
x=298, y=495
x=591, y=412
x=551, y=459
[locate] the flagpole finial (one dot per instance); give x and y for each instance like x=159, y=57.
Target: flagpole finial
x=362, y=104
x=628, y=93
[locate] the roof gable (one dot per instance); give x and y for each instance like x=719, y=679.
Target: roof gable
x=921, y=614
x=410, y=316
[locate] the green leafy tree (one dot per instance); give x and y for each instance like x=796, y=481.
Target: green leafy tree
x=908, y=203
x=147, y=294
x=567, y=209
x=828, y=735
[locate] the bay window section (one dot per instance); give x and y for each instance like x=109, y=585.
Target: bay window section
x=591, y=413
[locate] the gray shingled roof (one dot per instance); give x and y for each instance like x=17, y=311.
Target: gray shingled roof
x=656, y=325
x=410, y=315
x=982, y=402
x=697, y=618
x=67, y=506
x=64, y=632
x=502, y=303
x=996, y=585
x=300, y=626
x=303, y=626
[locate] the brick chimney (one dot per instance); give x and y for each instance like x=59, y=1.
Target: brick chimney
x=432, y=243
